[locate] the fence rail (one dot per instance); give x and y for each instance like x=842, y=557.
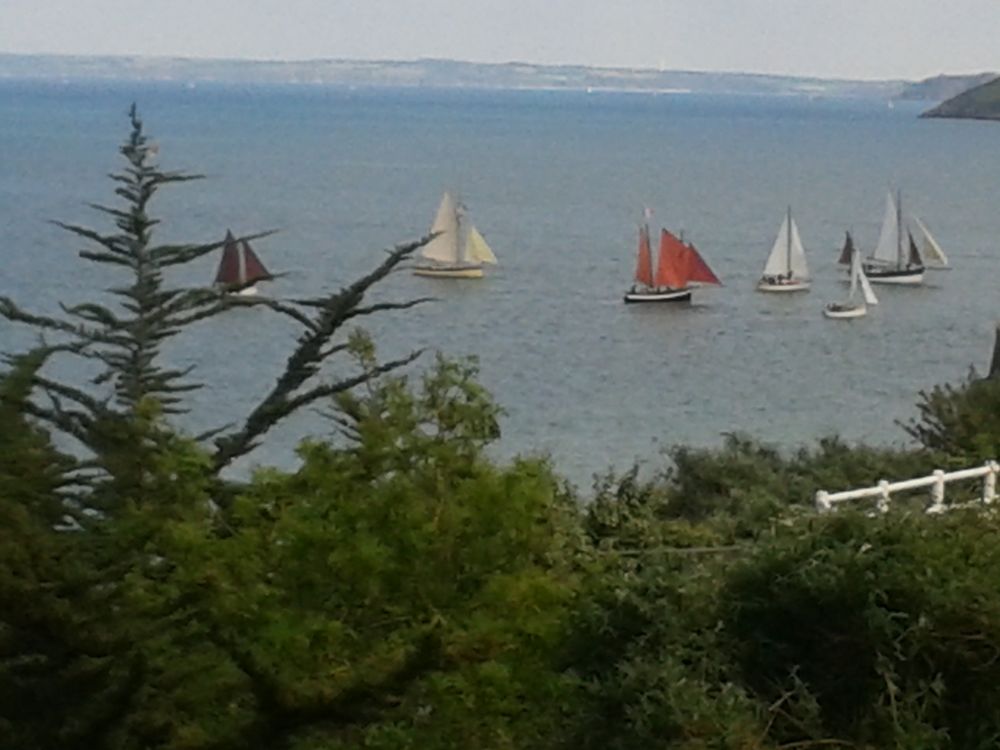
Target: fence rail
x=882, y=492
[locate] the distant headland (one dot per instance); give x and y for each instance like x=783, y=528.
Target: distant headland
x=458, y=74
x=981, y=102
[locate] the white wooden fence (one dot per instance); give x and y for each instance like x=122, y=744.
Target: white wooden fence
x=825, y=501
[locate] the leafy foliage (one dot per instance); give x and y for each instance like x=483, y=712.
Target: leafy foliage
x=962, y=424
x=374, y=597
x=889, y=625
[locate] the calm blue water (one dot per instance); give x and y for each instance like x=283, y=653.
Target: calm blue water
x=556, y=181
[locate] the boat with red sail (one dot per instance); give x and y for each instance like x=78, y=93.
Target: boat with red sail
x=240, y=269
x=679, y=269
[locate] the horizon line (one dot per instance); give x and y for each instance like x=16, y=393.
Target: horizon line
x=417, y=60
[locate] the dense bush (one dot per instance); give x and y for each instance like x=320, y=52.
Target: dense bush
x=962, y=423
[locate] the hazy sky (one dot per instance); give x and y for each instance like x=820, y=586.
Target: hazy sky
x=846, y=38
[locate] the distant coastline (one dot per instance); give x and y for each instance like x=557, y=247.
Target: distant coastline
x=438, y=73
x=434, y=73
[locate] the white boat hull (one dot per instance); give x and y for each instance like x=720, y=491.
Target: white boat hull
x=795, y=285
x=901, y=277
x=845, y=311
x=450, y=272
x=250, y=291
x=654, y=295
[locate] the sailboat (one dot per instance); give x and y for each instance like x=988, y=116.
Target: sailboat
x=679, y=269
x=786, y=269
x=891, y=262
x=240, y=268
x=851, y=307
x=454, y=253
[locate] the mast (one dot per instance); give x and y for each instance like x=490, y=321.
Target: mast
x=644, y=261
x=461, y=243
x=242, y=272
x=899, y=228
x=788, y=256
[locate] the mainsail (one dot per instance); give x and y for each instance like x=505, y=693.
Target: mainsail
x=855, y=274
x=229, y=266
x=239, y=264
x=788, y=256
x=444, y=247
x=671, y=265
x=888, y=249
x=644, y=262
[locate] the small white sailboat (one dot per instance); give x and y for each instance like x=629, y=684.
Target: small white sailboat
x=891, y=262
x=454, y=253
x=679, y=269
x=786, y=269
x=240, y=269
x=851, y=307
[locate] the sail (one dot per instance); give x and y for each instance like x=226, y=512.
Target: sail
x=444, y=247
x=672, y=264
x=644, y=262
x=777, y=262
x=932, y=252
x=229, y=266
x=252, y=268
x=914, y=258
x=887, y=249
x=848, y=251
x=866, y=288
x=698, y=270
x=855, y=273
x=476, y=248
x=797, y=256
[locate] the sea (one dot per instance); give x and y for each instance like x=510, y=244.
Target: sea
x=557, y=182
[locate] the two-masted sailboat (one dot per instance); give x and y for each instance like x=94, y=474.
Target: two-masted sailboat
x=897, y=259
x=852, y=307
x=240, y=268
x=679, y=269
x=786, y=269
x=454, y=253
x=928, y=253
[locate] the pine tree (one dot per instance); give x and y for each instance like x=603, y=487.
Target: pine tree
x=126, y=338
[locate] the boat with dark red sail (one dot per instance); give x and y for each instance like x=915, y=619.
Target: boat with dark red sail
x=240, y=269
x=679, y=269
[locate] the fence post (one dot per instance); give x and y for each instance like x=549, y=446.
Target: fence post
x=822, y=503
x=937, y=493
x=883, y=500
x=990, y=483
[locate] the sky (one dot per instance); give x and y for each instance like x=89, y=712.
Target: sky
x=827, y=38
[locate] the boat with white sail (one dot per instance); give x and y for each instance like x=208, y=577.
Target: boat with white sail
x=894, y=261
x=852, y=307
x=455, y=252
x=786, y=269
x=240, y=269
x=679, y=269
